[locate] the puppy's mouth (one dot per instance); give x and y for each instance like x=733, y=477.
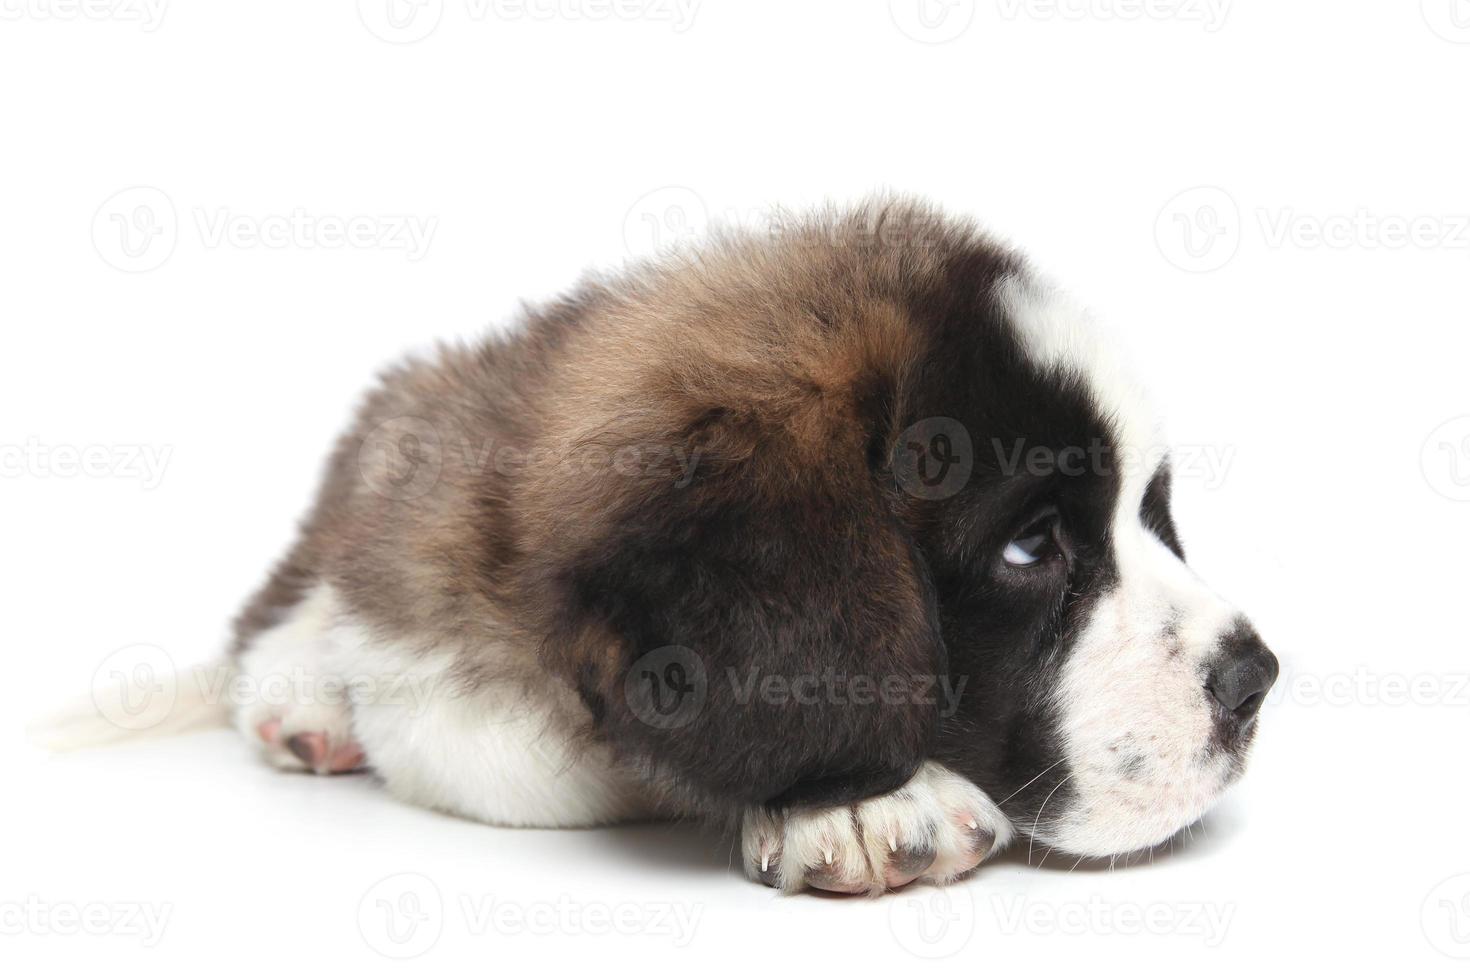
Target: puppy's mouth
x=1138, y=789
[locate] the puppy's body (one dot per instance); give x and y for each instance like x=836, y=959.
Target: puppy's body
x=735, y=536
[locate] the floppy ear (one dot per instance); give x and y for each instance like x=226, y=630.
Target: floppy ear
x=766, y=633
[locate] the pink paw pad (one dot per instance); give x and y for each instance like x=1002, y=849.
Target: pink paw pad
x=314, y=749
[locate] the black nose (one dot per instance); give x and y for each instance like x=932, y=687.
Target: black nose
x=1243, y=671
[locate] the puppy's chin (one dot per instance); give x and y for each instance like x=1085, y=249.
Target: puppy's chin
x=1108, y=817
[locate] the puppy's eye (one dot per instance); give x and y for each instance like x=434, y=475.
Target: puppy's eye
x=1036, y=543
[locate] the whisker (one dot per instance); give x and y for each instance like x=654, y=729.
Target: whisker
x=1034, y=823
x=1032, y=780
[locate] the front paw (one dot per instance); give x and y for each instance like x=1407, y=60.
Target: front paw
x=936, y=827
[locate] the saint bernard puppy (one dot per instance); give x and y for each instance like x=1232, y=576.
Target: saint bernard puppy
x=850, y=535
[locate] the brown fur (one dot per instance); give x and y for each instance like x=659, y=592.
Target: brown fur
x=784, y=364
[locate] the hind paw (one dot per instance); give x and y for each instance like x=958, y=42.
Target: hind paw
x=321, y=752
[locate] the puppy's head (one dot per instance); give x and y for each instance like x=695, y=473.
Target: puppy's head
x=1111, y=695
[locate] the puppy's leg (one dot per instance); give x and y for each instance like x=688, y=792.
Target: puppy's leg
x=504, y=747
x=936, y=827
x=291, y=697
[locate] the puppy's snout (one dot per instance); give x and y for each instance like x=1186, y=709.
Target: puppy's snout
x=1242, y=672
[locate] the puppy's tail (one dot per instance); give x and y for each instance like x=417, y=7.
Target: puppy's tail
x=139, y=697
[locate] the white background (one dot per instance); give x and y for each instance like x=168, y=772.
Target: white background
x=1311, y=359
